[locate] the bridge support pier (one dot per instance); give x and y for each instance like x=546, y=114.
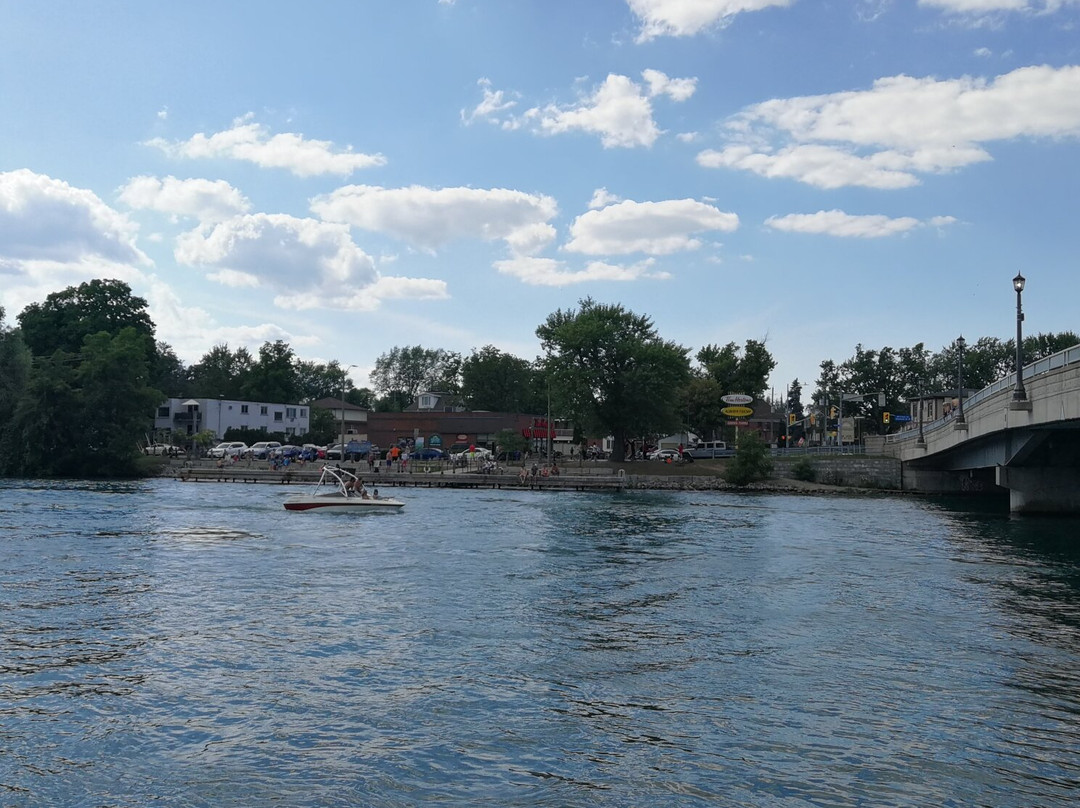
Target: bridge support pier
x=1041, y=490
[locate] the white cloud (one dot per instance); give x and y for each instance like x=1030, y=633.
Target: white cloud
x=980, y=7
x=206, y=200
x=251, y=141
x=619, y=110
x=689, y=17
x=549, y=272
x=601, y=199
x=660, y=84
x=45, y=219
x=491, y=107
x=310, y=264
x=430, y=217
x=902, y=127
x=656, y=228
x=838, y=223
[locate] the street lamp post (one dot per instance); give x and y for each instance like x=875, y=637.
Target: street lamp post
x=922, y=438
x=344, y=378
x=1019, y=393
x=960, y=345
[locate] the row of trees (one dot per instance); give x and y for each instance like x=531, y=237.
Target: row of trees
x=81, y=374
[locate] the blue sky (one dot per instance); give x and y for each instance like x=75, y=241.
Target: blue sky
x=352, y=176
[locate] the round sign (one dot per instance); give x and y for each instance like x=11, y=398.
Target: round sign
x=737, y=412
x=737, y=398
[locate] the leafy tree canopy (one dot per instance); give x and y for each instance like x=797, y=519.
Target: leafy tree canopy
x=403, y=373
x=610, y=370
x=497, y=381
x=66, y=318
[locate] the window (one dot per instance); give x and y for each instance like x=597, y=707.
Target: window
x=243, y=409
x=263, y=410
x=303, y=412
x=277, y=415
x=163, y=412
x=427, y=402
x=290, y=412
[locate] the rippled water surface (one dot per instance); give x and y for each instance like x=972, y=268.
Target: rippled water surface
x=171, y=644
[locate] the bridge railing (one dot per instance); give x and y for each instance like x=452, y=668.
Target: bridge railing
x=1069, y=356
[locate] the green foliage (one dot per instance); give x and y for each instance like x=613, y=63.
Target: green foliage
x=221, y=373
x=499, y=382
x=274, y=376
x=609, y=370
x=509, y=440
x=405, y=372
x=66, y=318
x=803, y=469
x=724, y=370
x=752, y=461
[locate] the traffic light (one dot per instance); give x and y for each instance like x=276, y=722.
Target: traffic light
x=832, y=412
x=812, y=419
x=791, y=418
x=885, y=417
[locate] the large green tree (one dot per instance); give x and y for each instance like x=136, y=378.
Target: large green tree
x=66, y=318
x=402, y=373
x=497, y=381
x=722, y=370
x=274, y=375
x=610, y=371
x=221, y=373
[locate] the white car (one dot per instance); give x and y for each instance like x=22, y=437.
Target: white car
x=664, y=454
x=473, y=453
x=264, y=449
x=230, y=448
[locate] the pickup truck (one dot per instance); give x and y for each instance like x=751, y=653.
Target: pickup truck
x=707, y=450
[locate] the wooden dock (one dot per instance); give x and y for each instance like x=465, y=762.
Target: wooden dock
x=418, y=479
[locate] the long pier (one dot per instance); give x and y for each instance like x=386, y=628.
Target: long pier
x=419, y=479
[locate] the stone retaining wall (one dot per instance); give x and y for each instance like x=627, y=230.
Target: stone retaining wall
x=860, y=471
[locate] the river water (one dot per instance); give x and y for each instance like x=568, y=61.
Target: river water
x=182, y=644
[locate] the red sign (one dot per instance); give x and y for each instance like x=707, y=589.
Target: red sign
x=738, y=423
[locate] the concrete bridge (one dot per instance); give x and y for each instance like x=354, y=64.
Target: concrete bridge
x=1031, y=448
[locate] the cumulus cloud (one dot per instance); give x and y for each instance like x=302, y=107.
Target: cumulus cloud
x=42, y=218
x=885, y=137
x=308, y=263
x=601, y=199
x=689, y=17
x=846, y=225
x=656, y=228
x=982, y=7
x=250, y=141
x=549, y=272
x=432, y=217
x=205, y=200
x=619, y=111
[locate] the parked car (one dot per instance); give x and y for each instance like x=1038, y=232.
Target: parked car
x=473, y=453
x=315, y=452
x=232, y=448
x=707, y=450
x=262, y=449
x=427, y=453
x=354, y=450
x=664, y=454
x=291, y=452
x=164, y=449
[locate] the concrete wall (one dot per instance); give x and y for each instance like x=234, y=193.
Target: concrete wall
x=861, y=471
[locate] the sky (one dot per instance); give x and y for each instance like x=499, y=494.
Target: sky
x=353, y=176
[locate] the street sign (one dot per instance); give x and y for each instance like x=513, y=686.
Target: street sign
x=738, y=423
x=737, y=398
x=737, y=412
x=901, y=417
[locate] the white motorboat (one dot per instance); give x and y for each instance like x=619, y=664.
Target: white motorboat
x=340, y=491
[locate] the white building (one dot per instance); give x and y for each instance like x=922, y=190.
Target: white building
x=182, y=418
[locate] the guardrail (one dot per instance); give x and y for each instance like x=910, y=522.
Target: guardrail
x=1061, y=359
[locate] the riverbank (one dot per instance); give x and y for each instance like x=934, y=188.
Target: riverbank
x=583, y=476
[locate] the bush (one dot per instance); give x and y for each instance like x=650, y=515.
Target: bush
x=752, y=461
x=804, y=470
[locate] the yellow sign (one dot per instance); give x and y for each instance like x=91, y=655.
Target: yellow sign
x=737, y=412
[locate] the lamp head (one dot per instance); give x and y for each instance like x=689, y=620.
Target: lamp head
x=1018, y=282
x=961, y=343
